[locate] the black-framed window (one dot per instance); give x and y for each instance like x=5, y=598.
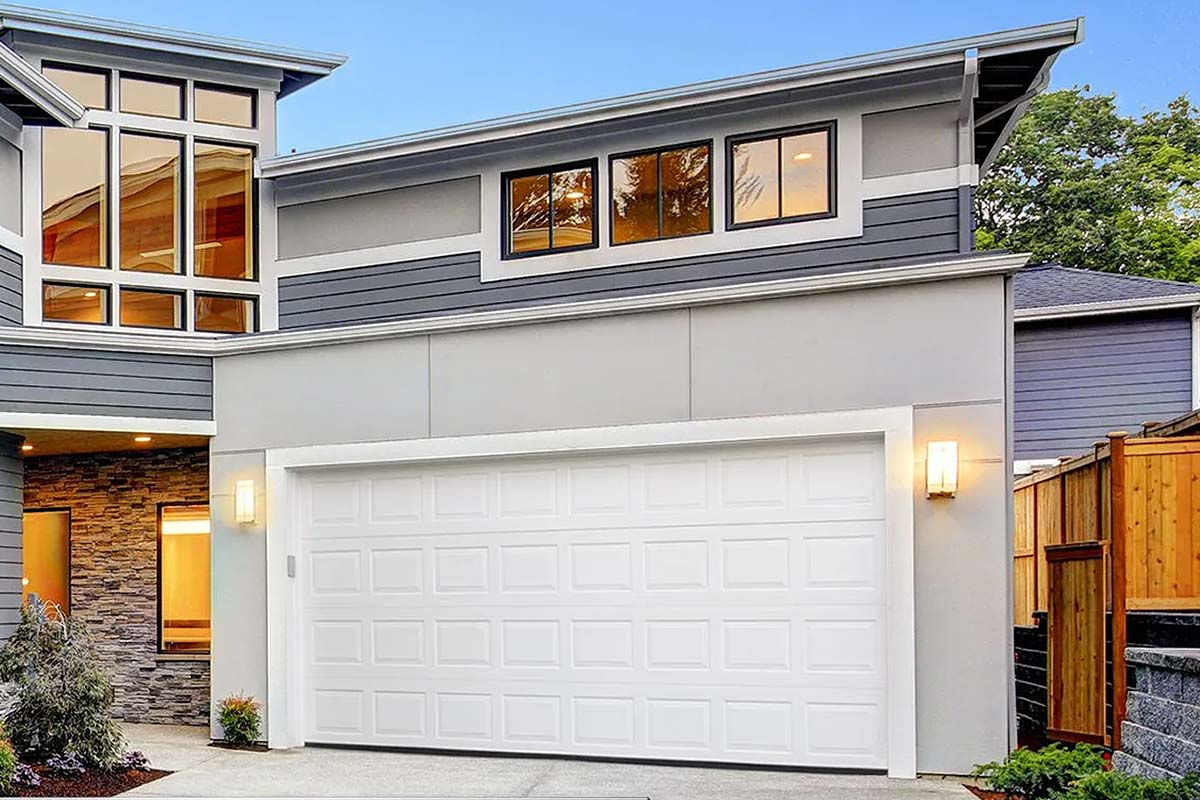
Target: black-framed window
x=225, y=313
x=550, y=209
x=76, y=302
x=152, y=308
x=781, y=176
x=661, y=194
x=184, y=589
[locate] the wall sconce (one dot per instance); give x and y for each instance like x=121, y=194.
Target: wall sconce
x=243, y=501
x=941, y=469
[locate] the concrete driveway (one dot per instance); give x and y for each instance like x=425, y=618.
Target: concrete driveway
x=202, y=771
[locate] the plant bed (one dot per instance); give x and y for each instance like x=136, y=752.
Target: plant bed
x=988, y=794
x=93, y=783
x=255, y=747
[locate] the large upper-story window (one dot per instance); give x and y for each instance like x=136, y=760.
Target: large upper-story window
x=781, y=176
x=550, y=210
x=661, y=194
x=163, y=182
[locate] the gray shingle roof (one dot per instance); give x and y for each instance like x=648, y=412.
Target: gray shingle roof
x=1048, y=285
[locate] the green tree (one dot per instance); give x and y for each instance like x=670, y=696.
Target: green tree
x=1083, y=185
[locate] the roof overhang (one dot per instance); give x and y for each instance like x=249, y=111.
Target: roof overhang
x=1106, y=307
x=32, y=97
x=299, y=67
x=993, y=52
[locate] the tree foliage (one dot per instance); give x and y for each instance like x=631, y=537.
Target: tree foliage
x=1080, y=184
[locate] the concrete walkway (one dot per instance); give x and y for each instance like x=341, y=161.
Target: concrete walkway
x=326, y=772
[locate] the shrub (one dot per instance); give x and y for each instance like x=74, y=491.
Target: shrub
x=1041, y=774
x=8, y=765
x=61, y=697
x=66, y=764
x=240, y=719
x=135, y=759
x=25, y=777
x=1120, y=786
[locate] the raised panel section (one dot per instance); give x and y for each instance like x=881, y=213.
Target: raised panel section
x=754, y=482
x=603, y=720
x=678, y=723
x=677, y=644
x=848, y=562
x=396, y=499
x=756, y=564
x=464, y=715
x=335, y=572
x=842, y=728
x=758, y=726
x=460, y=496
x=461, y=569
x=529, y=568
x=676, y=566
x=333, y=502
x=842, y=645
x=764, y=645
x=399, y=642
x=463, y=643
x=599, y=490
x=601, y=643
x=601, y=567
x=400, y=714
x=399, y=571
x=528, y=493
x=677, y=486
x=532, y=718
x=529, y=643
x=338, y=711
x=337, y=642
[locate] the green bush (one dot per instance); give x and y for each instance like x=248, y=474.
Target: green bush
x=240, y=719
x=1041, y=774
x=1119, y=786
x=8, y=766
x=61, y=697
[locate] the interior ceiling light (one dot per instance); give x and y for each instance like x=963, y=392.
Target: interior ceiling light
x=89, y=294
x=575, y=195
x=25, y=448
x=802, y=157
x=141, y=438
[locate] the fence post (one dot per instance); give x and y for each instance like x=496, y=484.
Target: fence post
x=1116, y=451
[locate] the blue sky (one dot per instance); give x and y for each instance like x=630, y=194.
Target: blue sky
x=417, y=65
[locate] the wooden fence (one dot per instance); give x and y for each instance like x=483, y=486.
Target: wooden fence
x=1117, y=529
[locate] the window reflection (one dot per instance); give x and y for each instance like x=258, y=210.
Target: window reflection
x=63, y=302
x=75, y=197
x=661, y=195
x=551, y=210
x=224, y=222
x=224, y=107
x=150, y=210
x=224, y=314
x=89, y=88
x=146, y=309
x=154, y=98
x=782, y=177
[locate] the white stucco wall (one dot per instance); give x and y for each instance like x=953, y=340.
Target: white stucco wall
x=940, y=347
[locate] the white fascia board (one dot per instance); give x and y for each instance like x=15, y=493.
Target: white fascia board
x=39, y=90
x=967, y=267
x=1106, y=307
x=97, y=29
x=871, y=64
x=88, y=422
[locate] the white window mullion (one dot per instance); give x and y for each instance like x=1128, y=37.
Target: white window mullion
x=187, y=231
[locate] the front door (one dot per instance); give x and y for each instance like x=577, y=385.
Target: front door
x=46, y=545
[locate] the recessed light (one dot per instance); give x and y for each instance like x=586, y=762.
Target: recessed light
x=574, y=195
x=141, y=439
x=802, y=157
x=25, y=448
x=89, y=294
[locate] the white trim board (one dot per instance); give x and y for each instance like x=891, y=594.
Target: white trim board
x=965, y=267
x=108, y=424
x=285, y=710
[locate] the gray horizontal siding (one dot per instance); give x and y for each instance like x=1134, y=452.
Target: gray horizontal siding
x=914, y=226
x=12, y=489
x=1076, y=380
x=10, y=288
x=106, y=383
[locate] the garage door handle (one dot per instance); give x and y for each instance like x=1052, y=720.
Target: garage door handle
x=291, y=566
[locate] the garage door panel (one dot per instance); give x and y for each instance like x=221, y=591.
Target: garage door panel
x=839, y=728
x=756, y=484
x=804, y=562
x=717, y=603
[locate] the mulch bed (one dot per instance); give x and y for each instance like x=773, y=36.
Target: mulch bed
x=93, y=783
x=249, y=748
x=988, y=794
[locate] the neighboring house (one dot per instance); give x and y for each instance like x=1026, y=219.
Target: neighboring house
x=1097, y=352
x=597, y=431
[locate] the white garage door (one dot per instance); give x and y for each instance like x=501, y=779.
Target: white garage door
x=717, y=604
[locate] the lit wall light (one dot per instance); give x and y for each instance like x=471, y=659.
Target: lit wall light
x=941, y=469
x=243, y=501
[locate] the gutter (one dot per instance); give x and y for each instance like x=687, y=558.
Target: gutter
x=71, y=338
x=1060, y=34
x=1106, y=307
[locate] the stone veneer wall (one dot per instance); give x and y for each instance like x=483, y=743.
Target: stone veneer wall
x=114, y=500
x=1160, y=737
